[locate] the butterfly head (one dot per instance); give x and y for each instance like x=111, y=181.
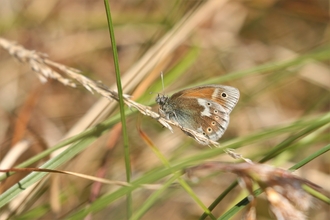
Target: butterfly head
x=161, y=100
x=164, y=107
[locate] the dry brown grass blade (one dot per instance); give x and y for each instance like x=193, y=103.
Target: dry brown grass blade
x=84, y=176
x=24, y=115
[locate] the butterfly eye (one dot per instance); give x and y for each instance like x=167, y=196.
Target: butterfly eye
x=216, y=112
x=204, y=133
x=224, y=95
x=213, y=123
x=209, y=104
x=217, y=117
x=209, y=129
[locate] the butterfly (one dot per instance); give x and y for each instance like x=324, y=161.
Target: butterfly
x=204, y=109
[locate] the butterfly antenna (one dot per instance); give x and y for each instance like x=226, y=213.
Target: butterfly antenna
x=162, y=77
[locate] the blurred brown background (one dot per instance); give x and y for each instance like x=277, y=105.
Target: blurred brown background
x=238, y=35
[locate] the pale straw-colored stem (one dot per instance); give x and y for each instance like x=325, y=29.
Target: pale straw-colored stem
x=45, y=68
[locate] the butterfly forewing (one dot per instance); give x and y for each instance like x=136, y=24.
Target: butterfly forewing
x=226, y=96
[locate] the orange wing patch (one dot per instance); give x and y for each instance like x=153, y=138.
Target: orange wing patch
x=200, y=93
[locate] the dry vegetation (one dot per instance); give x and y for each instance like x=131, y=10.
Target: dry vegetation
x=275, y=52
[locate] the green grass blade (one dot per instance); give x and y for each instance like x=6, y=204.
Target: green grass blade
x=121, y=104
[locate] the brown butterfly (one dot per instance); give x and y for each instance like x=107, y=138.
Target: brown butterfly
x=204, y=109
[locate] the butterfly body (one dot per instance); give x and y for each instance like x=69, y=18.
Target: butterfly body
x=204, y=109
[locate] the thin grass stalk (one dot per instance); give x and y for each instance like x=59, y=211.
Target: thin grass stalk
x=310, y=158
x=121, y=106
x=287, y=142
x=320, y=54
x=238, y=207
x=317, y=194
x=219, y=199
